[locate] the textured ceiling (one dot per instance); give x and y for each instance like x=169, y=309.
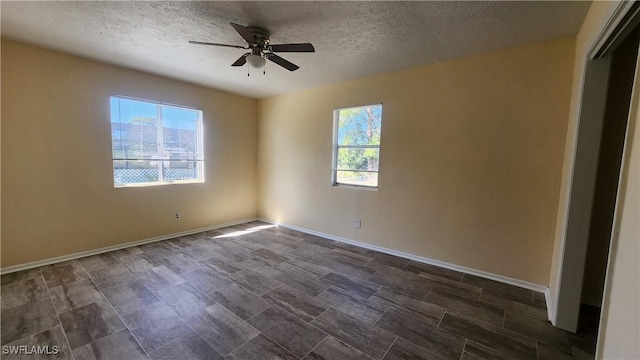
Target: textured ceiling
x=352, y=39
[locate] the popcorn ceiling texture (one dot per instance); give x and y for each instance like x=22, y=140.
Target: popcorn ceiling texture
x=352, y=39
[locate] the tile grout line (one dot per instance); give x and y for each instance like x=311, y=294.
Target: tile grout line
x=178, y=338
x=297, y=317
x=377, y=291
x=92, y=342
x=322, y=292
x=428, y=292
x=479, y=299
x=504, y=317
x=442, y=318
x=318, y=344
x=254, y=315
x=380, y=328
x=58, y=316
x=329, y=335
x=186, y=323
x=365, y=280
x=533, y=299
x=380, y=317
x=372, y=275
x=325, y=310
x=513, y=332
x=239, y=346
x=118, y=315
x=196, y=289
x=488, y=323
x=420, y=346
x=464, y=347
x=390, y=346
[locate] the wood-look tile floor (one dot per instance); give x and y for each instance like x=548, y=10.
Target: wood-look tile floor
x=255, y=291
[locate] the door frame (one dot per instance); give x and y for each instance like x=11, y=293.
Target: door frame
x=582, y=176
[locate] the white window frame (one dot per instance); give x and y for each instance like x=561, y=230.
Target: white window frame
x=160, y=143
x=336, y=146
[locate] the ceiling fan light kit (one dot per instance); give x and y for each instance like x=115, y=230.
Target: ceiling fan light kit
x=256, y=61
x=261, y=50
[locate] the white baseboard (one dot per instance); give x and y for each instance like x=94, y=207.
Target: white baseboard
x=550, y=307
x=49, y=261
x=462, y=269
x=425, y=260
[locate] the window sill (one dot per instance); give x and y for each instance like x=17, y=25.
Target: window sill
x=356, y=187
x=137, y=185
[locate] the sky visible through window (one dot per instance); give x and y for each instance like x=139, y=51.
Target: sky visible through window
x=154, y=143
x=125, y=110
x=353, y=125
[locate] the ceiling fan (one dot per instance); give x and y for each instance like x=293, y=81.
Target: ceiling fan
x=257, y=40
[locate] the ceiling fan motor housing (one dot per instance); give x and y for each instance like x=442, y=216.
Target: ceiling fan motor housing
x=260, y=35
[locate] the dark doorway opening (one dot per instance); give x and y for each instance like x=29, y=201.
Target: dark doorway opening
x=614, y=129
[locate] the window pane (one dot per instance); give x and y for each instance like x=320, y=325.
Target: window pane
x=181, y=170
x=360, y=126
x=180, y=134
x=358, y=159
x=135, y=171
x=134, y=129
x=357, y=178
x=155, y=143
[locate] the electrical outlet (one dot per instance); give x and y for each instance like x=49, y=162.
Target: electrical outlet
x=176, y=216
x=358, y=223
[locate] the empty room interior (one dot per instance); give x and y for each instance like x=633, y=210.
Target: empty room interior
x=320, y=180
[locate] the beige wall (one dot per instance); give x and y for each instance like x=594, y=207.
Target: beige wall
x=57, y=181
x=471, y=159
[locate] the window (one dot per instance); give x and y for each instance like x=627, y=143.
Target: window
x=356, y=145
x=155, y=143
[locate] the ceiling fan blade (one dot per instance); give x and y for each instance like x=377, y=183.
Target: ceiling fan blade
x=282, y=62
x=241, y=61
x=306, y=47
x=245, y=32
x=216, y=44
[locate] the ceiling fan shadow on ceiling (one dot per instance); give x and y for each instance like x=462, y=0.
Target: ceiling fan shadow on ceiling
x=260, y=48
